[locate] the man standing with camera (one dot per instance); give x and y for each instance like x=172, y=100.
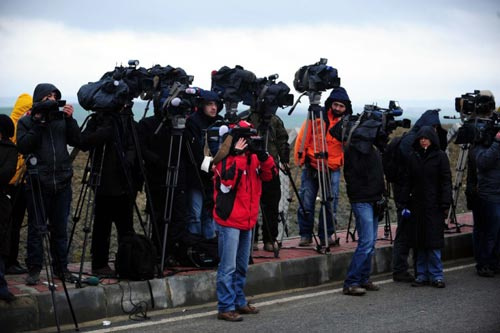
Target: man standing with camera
x=43, y=136
x=270, y=127
x=307, y=154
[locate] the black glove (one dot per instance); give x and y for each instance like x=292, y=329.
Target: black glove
x=262, y=156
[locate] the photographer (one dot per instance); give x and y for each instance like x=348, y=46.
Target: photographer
x=483, y=197
x=270, y=127
x=107, y=136
x=44, y=134
x=238, y=186
x=8, y=159
x=402, y=240
x=199, y=185
x=306, y=149
x=364, y=177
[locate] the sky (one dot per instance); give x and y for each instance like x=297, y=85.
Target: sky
x=422, y=53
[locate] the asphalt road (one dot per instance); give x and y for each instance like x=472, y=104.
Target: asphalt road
x=468, y=304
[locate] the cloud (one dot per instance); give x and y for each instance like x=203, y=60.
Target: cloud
x=399, y=60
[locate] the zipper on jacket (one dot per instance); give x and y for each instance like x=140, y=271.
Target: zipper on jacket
x=54, y=154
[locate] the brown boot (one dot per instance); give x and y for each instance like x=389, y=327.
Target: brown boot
x=247, y=309
x=229, y=316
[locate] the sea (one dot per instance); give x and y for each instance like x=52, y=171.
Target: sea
x=292, y=121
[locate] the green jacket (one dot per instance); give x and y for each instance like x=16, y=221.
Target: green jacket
x=277, y=136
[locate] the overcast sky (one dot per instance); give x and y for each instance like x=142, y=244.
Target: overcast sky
x=411, y=51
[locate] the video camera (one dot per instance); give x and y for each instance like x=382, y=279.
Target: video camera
x=221, y=128
x=316, y=77
x=49, y=110
x=480, y=121
x=387, y=116
x=270, y=95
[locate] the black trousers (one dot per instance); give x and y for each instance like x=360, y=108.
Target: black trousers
x=18, y=199
x=109, y=209
x=269, y=205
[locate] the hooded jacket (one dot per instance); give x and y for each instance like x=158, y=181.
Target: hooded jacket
x=238, y=187
x=277, y=136
x=23, y=105
x=485, y=164
x=48, y=143
x=426, y=190
x=8, y=158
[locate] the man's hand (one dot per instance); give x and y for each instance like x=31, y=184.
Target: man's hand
x=68, y=110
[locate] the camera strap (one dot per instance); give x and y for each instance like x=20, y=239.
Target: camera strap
x=344, y=129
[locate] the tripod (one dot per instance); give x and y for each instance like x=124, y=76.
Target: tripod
x=41, y=226
x=320, y=149
x=92, y=178
x=460, y=170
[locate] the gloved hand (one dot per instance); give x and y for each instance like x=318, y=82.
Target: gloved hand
x=262, y=156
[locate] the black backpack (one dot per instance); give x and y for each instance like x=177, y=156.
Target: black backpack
x=392, y=160
x=135, y=259
x=196, y=251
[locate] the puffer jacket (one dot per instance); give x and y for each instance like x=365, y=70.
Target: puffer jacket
x=334, y=147
x=48, y=143
x=238, y=186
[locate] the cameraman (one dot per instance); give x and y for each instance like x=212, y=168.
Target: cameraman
x=270, y=127
x=237, y=193
x=364, y=177
x=199, y=185
x=108, y=138
x=337, y=105
x=483, y=197
x=45, y=134
x=402, y=240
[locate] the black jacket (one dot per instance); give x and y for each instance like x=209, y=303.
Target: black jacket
x=48, y=143
x=484, y=172
x=426, y=191
x=363, y=169
x=110, y=132
x=8, y=163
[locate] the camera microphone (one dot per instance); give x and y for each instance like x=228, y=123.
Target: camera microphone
x=176, y=101
x=192, y=91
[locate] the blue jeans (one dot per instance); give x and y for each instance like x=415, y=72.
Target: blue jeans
x=308, y=191
x=56, y=207
x=234, y=253
x=199, y=221
x=486, y=234
x=361, y=262
x=429, y=265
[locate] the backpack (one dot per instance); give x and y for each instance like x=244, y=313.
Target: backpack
x=392, y=160
x=135, y=259
x=196, y=251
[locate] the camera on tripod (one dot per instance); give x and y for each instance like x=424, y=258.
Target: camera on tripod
x=480, y=121
x=316, y=77
x=270, y=95
x=387, y=116
x=48, y=110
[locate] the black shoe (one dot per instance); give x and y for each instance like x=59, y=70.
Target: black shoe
x=438, y=284
x=485, y=272
x=105, y=272
x=419, y=283
x=33, y=278
x=15, y=269
x=403, y=277
x=7, y=296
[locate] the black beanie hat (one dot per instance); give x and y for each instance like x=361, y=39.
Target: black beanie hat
x=43, y=89
x=6, y=126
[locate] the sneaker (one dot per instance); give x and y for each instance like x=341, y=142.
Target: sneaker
x=15, y=269
x=403, y=277
x=229, y=316
x=33, y=278
x=370, y=286
x=485, y=272
x=268, y=247
x=419, y=283
x=438, y=284
x=354, y=291
x=305, y=241
x=105, y=271
x=247, y=309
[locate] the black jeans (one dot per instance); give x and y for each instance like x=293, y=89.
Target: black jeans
x=269, y=204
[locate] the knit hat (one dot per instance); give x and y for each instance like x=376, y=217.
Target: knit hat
x=210, y=96
x=339, y=95
x=6, y=126
x=43, y=89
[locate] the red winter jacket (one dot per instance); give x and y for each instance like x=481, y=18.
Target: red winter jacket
x=237, y=189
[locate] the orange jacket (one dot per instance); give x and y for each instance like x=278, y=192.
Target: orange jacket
x=23, y=105
x=334, y=147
